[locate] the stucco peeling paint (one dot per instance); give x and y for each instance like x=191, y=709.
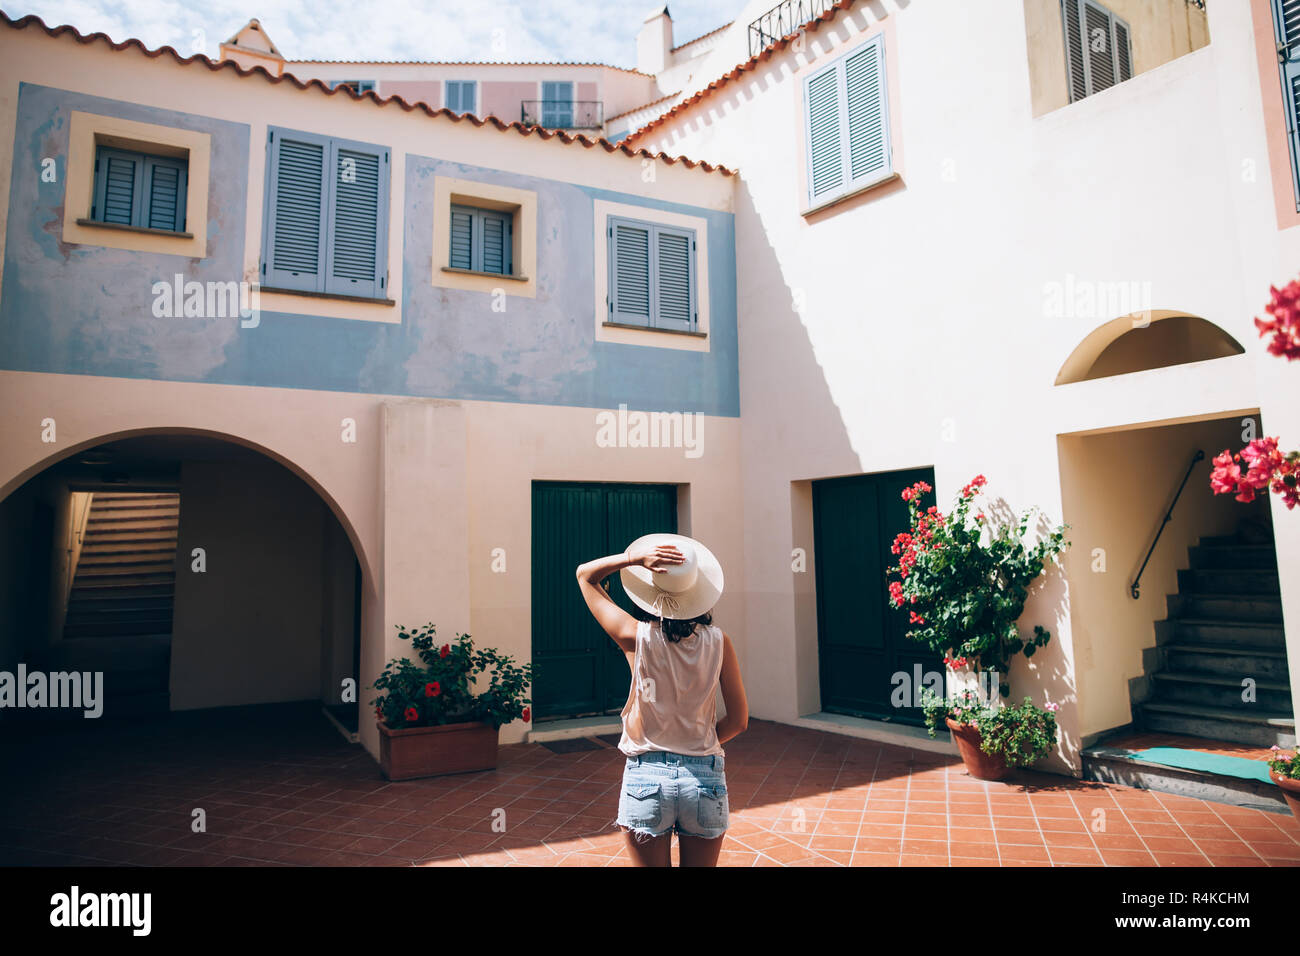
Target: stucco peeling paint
x=87, y=310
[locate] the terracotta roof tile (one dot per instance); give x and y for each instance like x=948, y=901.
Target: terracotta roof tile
x=735, y=73
x=605, y=66
x=216, y=67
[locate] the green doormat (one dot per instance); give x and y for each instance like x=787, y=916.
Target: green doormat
x=1211, y=763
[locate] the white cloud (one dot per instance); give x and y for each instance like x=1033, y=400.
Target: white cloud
x=580, y=30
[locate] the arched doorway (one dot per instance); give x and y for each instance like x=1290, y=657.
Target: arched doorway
x=191, y=569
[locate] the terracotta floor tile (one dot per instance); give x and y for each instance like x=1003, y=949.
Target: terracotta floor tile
x=1117, y=857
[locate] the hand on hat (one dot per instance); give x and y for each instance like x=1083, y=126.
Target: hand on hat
x=658, y=558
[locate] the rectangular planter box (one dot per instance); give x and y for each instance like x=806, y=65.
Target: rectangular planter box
x=433, y=751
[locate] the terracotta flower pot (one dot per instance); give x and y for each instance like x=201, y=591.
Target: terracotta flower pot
x=433, y=751
x=978, y=763
x=1290, y=790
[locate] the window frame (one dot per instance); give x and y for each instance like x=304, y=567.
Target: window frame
x=848, y=184
x=655, y=319
x=460, y=85
x=1288, y=89
x=1114, y=22
x=331, y=145
x=357, y=86
x=543, y=101
x=478, y=224
x=142, y=188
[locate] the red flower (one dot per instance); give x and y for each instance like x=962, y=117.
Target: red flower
x=432, y=689
x=1284, y=325
x=412, y=714
x=446, y=649
x=527, y=713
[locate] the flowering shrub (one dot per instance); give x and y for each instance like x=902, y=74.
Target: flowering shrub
x=963, y=594
x=1022, y=734
x=1284, y=325
x=1266, y=466
x=442, y=691
x=1285, y=764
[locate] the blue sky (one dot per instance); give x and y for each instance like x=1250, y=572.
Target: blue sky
x=582, y=30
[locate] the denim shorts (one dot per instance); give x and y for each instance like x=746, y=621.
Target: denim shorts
x=664, y=792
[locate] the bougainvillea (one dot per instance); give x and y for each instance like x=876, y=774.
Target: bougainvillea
x=1266, y=466
x=1284, y=326
x=965, y=582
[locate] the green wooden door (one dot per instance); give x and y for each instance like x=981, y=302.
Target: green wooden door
x=578, y=670
x=860, y=636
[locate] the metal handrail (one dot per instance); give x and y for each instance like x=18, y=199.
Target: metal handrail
x=1133, y=588
x=574, y=114
x=782, y=20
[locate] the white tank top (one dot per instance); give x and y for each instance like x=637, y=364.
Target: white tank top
x=672, y=704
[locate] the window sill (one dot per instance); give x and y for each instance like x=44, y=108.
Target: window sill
x=377, y=300
x=857, y=191
x=651, y=328
x=490, y=275
x=97, y=224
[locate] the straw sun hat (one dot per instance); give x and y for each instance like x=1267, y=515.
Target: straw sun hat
x=680, y=592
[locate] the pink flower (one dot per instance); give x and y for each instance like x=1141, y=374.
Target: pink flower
x=1284, y=326
x=1052, y=707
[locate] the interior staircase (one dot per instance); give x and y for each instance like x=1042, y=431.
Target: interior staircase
x=119, y=616
x=1223, y=626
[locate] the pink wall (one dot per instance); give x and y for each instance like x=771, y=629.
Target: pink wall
x=413, y=91
x=502, y=99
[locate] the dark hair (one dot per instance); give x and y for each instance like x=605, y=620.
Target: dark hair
x=674, y=630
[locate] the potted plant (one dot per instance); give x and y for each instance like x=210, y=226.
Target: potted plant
x=1284, y=768
x=992, y=740
x=433, y=719
x=965, y=581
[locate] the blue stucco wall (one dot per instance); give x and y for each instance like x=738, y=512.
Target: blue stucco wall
x=87, y=310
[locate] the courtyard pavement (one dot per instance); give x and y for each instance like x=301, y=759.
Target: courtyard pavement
x=278, y=785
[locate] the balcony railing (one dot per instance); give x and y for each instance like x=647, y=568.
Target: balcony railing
x=782, y=20
x=563, y=114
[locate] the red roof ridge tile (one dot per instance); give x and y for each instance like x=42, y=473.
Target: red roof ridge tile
x=643, y=106
x=735, y=72
x=217, y=66
x=605, y=66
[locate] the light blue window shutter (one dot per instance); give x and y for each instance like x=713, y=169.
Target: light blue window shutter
x=1286, y=14
x=1074, y=46
x=165, y=193
x=356, y=253
x=460, y=96
x=674, y=272
x=557, y=105
x=629, y=285
x=825, y=136
x=453, y=96
x=868, y=114
x=295, y=222
x=462, y=238
x=496, y=242
x=467, y=91
x=119, y=187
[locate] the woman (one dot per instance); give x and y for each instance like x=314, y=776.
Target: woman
x=674, y=778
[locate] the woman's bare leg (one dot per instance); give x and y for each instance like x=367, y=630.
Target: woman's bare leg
x=697, y=851
x=654, y=851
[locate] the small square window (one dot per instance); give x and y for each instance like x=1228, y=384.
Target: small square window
x=481, y=240
x=460, y=96
x=139, y=190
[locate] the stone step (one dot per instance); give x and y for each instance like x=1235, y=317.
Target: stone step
x=133, y=535
x=1228, y=660
x=1111, y=765
x=124, y=579
x=1218, y=723
x=97, y=547
x=1233, y=556
x=104, y=559
x=1209, y=690
x=1251, y=634
x=1220, y=580
x=1226, y=607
